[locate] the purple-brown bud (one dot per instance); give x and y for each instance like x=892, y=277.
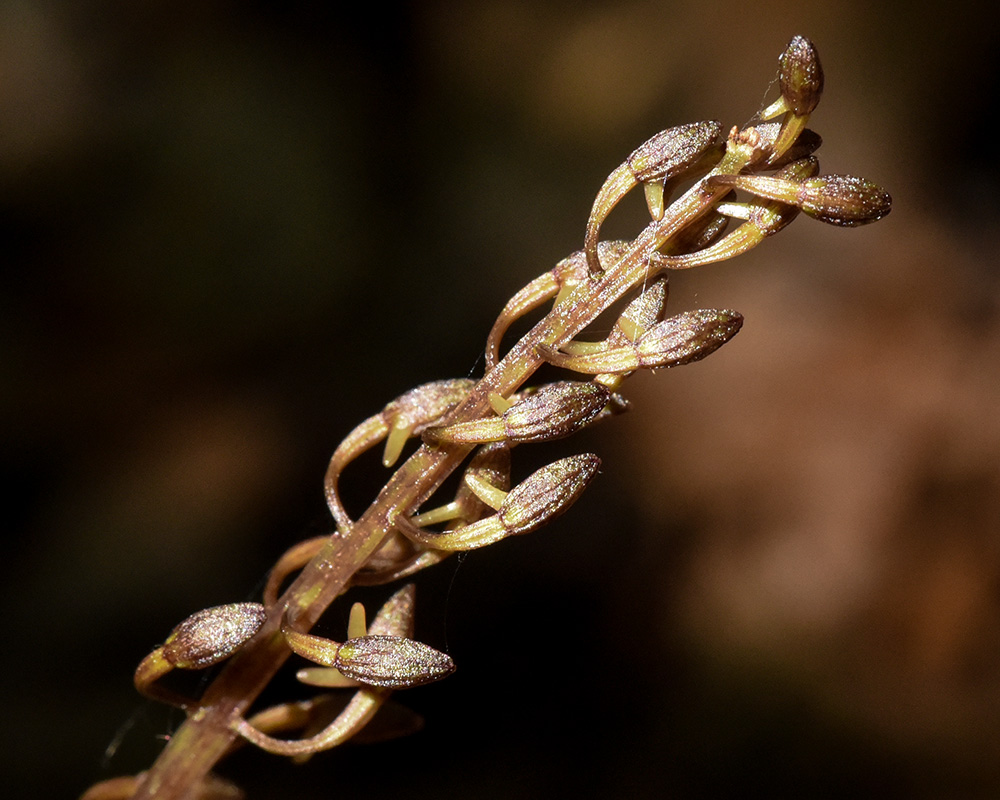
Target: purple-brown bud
x=679, y=340
x=843, y=200
x=426, y=404
x=552, y=412
x=212, y=635
x=800, y=76
x=687, y=337
x=673, y=151
x=555, y=411
x=547, y=493
x=392, y=662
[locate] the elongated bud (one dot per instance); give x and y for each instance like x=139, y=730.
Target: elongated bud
x=541, y=497
x=392, y=662
x=212, y=635
x=666, y=155
x=843, y=200
x=671, y=152
x=554, y=411
x=429, y=402
x=800, y=76
x=687, y=337
x=547, y=493
x=679, y=340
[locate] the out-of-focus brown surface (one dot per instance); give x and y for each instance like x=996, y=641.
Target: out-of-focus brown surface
x=233, y=230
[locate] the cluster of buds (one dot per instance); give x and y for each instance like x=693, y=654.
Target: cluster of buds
x=479, y=423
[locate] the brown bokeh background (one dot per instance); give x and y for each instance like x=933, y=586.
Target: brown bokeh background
x=233, y=230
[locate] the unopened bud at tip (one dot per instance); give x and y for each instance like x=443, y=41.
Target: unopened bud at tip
x=800, y=76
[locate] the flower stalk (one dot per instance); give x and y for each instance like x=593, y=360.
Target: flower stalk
x=477, y=423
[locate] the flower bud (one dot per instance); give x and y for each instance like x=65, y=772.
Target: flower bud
x=555, y=411
x=668, y=154
x=687, y=337
x=679, y=340
x=547, y=493
x=843, y=200
x=418, y=409
x=800, y=76
x=426, y=404
x=212, y=635
x=671, y=152
x=392, y=662
x=552, y=412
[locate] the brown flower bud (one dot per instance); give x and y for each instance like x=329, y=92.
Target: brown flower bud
x=212, y=635
x=555, y=411
x=843, y=200
x=547, y=493
x=425, y=405
x=687, y=337
x=673, y=151
x=419, y=408
x=800, y=76
x=392, y=662
x=679, y=340
x=668, y=154
x=552, y=412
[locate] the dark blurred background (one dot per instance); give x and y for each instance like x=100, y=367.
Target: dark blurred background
x=232, y=230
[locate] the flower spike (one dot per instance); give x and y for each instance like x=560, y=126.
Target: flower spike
x=772, y=160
